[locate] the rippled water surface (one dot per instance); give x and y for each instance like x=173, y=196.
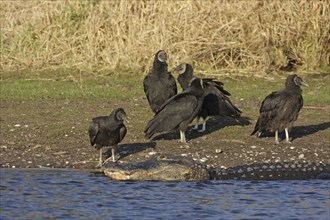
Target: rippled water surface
x=65, y=194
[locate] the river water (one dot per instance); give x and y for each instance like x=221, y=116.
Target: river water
x=74, y=194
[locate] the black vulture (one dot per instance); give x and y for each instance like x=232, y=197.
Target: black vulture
x=280, y=109
x=108, y=131
x=216, y=101
x=178, y=111
x=159, y=85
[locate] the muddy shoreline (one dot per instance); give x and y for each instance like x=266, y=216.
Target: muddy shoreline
x=53, y=134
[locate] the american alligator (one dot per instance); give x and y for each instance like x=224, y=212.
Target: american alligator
x=169, y=167
x=162, y=167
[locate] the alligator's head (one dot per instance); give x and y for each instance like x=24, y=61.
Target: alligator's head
x=162, y=167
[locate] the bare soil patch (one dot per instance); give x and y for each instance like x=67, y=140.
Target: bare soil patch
x=53, y=133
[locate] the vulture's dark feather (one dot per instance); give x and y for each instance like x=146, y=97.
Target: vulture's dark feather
x=107, y=131
x=216, y=100
x=279, y=110
x=159, y=85
x=178, y=111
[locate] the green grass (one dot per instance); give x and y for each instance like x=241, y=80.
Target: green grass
x=62, y=84
x=57, y=85
x=318, y=91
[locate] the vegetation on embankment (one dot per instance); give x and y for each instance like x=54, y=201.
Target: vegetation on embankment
x=103, y=36
x=63, y=84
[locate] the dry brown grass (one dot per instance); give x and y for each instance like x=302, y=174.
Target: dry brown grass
x=110, y=35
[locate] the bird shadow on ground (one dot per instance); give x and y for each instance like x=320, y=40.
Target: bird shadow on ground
x=305, y=130
x=299, y=131
x=125, y=150
x=213, y=124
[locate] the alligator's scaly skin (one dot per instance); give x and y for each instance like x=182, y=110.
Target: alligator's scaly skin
x=169, y=167
x=273, y=171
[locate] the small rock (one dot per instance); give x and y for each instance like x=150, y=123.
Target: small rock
x=291, y=148
x=218, y=151
x=204, y=159
x=253, y=147
x=17, y=125
x=209, y=166
x=184, y=147
x=152, y=153
x=301, y=156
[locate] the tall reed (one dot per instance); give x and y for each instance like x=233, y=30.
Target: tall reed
x=101, y=36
